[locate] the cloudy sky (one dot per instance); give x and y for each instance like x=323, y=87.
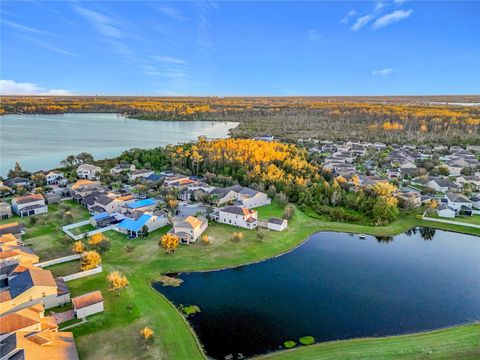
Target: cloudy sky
x=240, y=48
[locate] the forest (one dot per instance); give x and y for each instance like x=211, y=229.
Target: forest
x=427, y=120
x=283, y=170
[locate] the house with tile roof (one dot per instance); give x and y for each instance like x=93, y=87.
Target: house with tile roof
x=28, y=205
x=190, y=228
x=238, y=216
x=142, y=205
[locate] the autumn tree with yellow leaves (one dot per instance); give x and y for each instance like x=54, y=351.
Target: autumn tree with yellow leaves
x=90, y=260
x=169, y=242
x=117, y=281
x=78, y=247
x=96, y=239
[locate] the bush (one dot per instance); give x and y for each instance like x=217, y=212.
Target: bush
x=189, y=310
x=289, y=344
x=104, y=246
x=307, y=340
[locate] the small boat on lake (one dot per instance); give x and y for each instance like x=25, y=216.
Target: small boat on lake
x=362, y=236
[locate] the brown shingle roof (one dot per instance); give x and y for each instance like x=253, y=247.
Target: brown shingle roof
x=87, y=299
x=28, y=198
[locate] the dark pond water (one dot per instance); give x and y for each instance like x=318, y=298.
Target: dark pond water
x=337, y=286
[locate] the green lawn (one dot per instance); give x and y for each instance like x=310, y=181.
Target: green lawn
x=462, y=342
x=114, y=333
x=46, y=235
x=474, y=219
x=82, y=229
x=65, y=268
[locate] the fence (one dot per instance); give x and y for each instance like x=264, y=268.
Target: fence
x=451, y=222
x=82, y=274
x=66, y=229
x=58, y=260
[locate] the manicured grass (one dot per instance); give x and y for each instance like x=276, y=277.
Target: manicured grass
x=272, y=210
x=82, y=229
x=462, y=342
x=474, y=219
x=114, y=334
x=46, y=235
x=65, y=268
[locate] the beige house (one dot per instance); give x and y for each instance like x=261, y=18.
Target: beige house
x=88, y=304
x=190, y=228
x=14, y=228
x=14, y=253
x=30, y=319
x=5, y=211
x=28, y=287
x=45, y=344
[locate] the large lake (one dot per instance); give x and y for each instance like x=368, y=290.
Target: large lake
x=336, y=286
x=40, y=142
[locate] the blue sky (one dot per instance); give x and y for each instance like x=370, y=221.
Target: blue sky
x=240, y=48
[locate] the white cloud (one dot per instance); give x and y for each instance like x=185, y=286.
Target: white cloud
x=399, y=2
x=361, y=22
x=169, y=59
x=382, y=72
x=11, y=87
x=391, y=18
x=24, y=28
x=171, y=12
x=347, y=17
x=105, y=25
x=314, y=34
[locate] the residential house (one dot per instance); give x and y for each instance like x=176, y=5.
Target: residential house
x=105, y=219
x=52, y=198
x=154, y=178
x=30, y=286
x=475, y=202
x=28, y=205
x=15, y=228
x=55, y=177
x=30, y=319
x=457, y=202
x=88, y=171
x=277, y=224
x=445, y=211
x=442, y=185
x=223, y=196
x=17, y=181
x=133, y=227
x=142, y=205
x=82, y=188
x=46, y=344
x=140, y=174
x=189, y=229
x=120, y=168
x=108, y=202
x=238, y=216
x=468, y=179
x=249, y=198
x=5, y=211
x=15, y=252
x=88, y=304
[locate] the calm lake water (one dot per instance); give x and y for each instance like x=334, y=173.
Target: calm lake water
x=40, y=142
x=336, y=286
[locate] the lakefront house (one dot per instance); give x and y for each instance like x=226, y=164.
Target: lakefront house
x=28, y=205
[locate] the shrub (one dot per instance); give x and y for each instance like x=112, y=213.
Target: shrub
x=189, y=310
x=289, y=344
x=307, y=340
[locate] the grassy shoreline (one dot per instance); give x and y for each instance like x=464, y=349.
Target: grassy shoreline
x=140, y=305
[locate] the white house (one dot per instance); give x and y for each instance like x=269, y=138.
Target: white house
x=88, y=171
x=442, y=185
x=87, y=304
x=27, y=205
x=250, y=198
x=456, y=201
x=141, y=173
x=277, y=224
x=118, y=169
x=189, y=229
x=133, y=227
x=446, y=212
x=55, y=177
x=238, y=216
